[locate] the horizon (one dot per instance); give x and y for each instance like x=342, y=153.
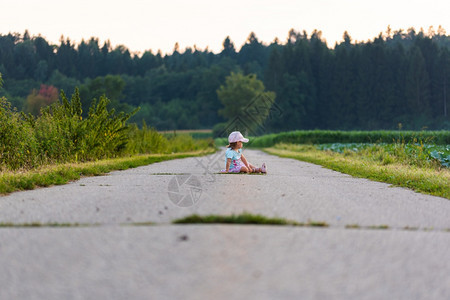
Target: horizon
x=430, y=30
x=159, y=25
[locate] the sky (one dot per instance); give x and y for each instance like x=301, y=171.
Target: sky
x=142, y=25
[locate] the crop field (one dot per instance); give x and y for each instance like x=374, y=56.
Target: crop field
x=441, y=137
x=428, y=152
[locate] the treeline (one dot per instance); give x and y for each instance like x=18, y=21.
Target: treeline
x=399, y=77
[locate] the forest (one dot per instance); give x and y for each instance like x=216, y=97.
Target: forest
x=401, y=78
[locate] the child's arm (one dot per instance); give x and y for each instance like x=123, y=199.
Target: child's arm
x=228, y=165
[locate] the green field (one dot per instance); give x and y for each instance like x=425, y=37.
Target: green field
x=419, y=160
x=194, y=133
x=415, y=151
x=375, y=163
x=329, y=136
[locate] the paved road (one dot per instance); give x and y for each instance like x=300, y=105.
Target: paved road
x=116, y=261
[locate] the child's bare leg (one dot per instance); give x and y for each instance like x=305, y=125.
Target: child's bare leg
x=255, y=169
x=245, y=170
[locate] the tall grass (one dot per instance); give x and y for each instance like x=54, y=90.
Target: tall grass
x=60, y=134
x=417, y=154
x=148, y=140
x=18, y=144
x=195, y=133
x=376, y=164
x=48, y=175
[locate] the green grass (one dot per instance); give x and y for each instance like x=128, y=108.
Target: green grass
x=418, y=154
x=194, y=133
x=357, y=226
x=37, y=224
x=244, y=218
x=139, y=224
x=317, y=224
x=427, y=179
x=352, y=226
x=63, y=173
x=410, y=228
x=378, y=227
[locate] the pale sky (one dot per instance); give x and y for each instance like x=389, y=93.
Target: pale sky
x=152, y=25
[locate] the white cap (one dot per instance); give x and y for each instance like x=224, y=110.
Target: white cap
x=236, y=136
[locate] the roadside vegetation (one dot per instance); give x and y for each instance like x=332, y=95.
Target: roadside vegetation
x=316, y=137
x=11, y=181
x=415, y=154
x=391, y=164
x=60, y=144
x=419, y=160
x=60, y=134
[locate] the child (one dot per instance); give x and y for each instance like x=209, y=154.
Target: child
x=235, y=161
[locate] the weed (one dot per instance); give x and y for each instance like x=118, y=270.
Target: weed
x=378, y=227
x=139, y=224
x=353, y=226
x=411, y=228
x=245, y=218
x=316, y=224
x=38, y=224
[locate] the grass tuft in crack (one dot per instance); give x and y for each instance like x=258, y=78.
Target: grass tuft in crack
x=378, y=227
x=352, y=226
x=244, y=218
x=411, y=228
x=317, y=224
x=37, y=224
x=139, y=224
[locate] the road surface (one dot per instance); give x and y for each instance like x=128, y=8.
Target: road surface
x=110, y=257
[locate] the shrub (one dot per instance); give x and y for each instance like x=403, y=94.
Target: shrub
x=60, y=134
x=146, y=140
x=18, y=145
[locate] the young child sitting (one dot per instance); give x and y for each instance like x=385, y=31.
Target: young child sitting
x=235, y=161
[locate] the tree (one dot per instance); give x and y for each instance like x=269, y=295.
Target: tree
x=417, y=91
x=253, y=55
x=66, y=57
x=402, y=76
x=25, y=59
x=228, y=48
x=274, y=69
x=444, y=82
x=41, y=72
x=246, y=103
x=62, y=82
x=110, y=86
x=36, y=100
